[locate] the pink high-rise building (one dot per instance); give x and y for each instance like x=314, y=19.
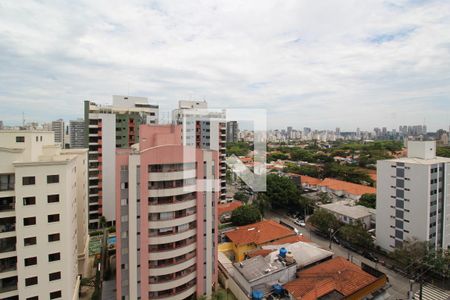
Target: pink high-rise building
x=166, y=217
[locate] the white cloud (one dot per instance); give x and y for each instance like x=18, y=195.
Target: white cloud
x=310, y=63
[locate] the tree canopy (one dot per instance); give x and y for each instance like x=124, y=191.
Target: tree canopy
x=244, y=215
x=368, y=200
x=356, y=235
x=282, y=192
x=323, y=221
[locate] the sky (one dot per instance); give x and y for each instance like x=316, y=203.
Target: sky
x=320, y=64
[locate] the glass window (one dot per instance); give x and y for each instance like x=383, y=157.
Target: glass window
x=52, y=178
x=28, y=180
x=29, y=241
x=54, y=276
x=29, y=201
x=54, y=257
x=31, y=281
x=53, y=218
x=53, y=237
x=55, y=295
x=53, y=198
x=29, y=221
x=30, y=261
x=6, y=182
x=20, y=139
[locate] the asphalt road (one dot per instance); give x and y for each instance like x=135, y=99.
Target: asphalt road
x=399, y=284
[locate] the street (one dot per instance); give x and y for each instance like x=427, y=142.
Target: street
x=399, y=284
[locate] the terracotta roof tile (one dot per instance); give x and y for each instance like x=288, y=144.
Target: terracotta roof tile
x=292, y=239
x=259, y=233
x=227, y=207
x=262, y=252
x=335, y=274
x=310, y=180
x=351, y=188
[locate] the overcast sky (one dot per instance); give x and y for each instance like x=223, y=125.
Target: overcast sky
x=321, y=64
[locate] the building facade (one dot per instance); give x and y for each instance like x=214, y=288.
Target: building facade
x=43, y=217
x=413, y=198
x=204, y=128
x=58, y=129
x=107, y=128
x=76, y=133
x=166, y=223
x=232, y=132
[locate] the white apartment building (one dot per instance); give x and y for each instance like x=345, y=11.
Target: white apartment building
x=108, y=127
x=206, y=129
x=413, y=198
x=43, y=217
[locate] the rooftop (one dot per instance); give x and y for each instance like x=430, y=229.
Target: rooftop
x=333, y=277
x=228, y=207
x=310, y=180
x=257, y=267
x=343, y=208
x=420, y=161
x=259, y=233
x=351, y=188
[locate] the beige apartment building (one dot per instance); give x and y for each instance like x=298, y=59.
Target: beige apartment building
x=43, y=217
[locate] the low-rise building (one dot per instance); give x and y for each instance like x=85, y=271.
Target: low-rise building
x=336, y=279
x=345, y=189
x=349, y=214
x=249, y=237
x=226, y=209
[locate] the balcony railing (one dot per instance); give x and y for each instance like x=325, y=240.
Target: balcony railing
x=7, y=244
x=8, y=264
x=172, y=292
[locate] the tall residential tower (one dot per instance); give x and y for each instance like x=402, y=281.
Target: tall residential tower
x=166, y=206
x=413, y=198
x=107, y=128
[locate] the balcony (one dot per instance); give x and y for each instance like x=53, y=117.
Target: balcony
x=164, y=176
x=178, y=293
x=172, y=267
x=173, y=236
x=171, y=282
x=7, y=204
x=7, y=225
x=8, y=284
x=173, y=191
x=7, y=244
x=8, y=264
x=168, y=251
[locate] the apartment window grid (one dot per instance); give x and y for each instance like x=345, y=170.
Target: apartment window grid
x=399, y=189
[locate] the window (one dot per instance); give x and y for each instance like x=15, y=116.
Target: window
x=31, y=281
x=20, y=139
x=52, y=178
x=29, y=221
x=29, y=241
x=33, y=298
x=54, y=256
x=28, y=180
x=54, y=276
x=30, y=261
x=53, y=218
x=55, y=295
x=6, y=182
x=53, y=198
x=29, y=201
x=53, y=237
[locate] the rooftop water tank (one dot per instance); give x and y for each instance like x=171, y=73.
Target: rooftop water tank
x=257, y=295
x=277, y=289
x=283, y=252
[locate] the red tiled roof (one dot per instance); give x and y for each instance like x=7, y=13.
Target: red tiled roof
x=351, y=188
x=310, y=180
x=291, y=239
x=335, y=274
x=227, y=207
x=259, y=233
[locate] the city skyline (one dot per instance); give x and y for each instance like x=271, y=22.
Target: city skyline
x=385, y=63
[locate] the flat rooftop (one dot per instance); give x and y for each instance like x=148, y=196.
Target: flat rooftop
x=343, y=208
x=257, y=267
x=420, y=161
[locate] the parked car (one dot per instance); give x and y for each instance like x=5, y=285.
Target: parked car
x=370, y=255
x=300, y=222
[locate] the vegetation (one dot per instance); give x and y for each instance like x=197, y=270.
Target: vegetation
x=263, y=203
x=323, y=221
x=276, y=156
x=282, y=192
x=238, y=149
x=312, y=171
x=415, y=256
x=324, y=197
x=443, y=151
x=347, y=173
x=244, y=215
x=368, y=200
x=241, y=196
x=356, y=235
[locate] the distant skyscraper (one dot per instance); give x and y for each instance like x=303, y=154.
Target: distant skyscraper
x=166, y=222
x=338, y=131
x=232, y=132
x=43, y=217
x=413, y=198
x=1, y=125
x=107, y=128
x=58, y=129
x=77, y=134
x=289, y=132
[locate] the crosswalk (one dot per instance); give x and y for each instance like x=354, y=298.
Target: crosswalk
x=431, y=292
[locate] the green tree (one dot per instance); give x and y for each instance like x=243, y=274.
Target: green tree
x=356, y=235
x=238, y=149
x=282, y=192
x=241, y=196
x=323, y=221
x=263, y=203
x=368, y=200
x=324, y=197
x=244, y=215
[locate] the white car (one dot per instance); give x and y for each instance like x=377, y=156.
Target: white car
x=300, y=223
